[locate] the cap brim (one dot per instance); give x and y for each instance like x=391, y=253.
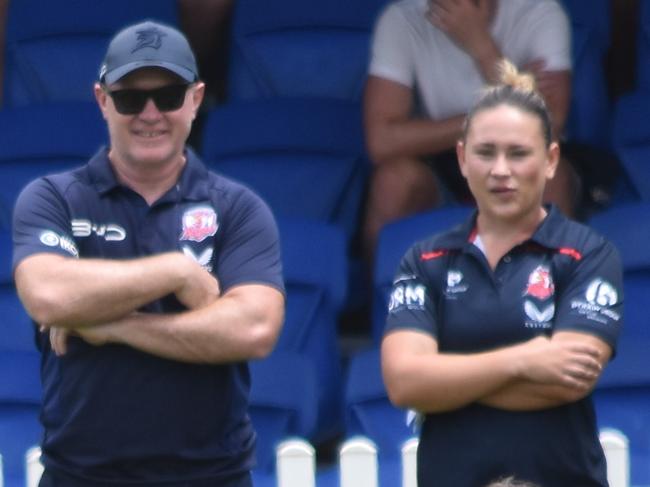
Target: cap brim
x=118, y=73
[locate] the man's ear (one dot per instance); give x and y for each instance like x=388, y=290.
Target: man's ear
x=197, y=96
x=101, y=97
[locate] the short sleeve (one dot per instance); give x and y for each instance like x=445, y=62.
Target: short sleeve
x=412, y=303
x=391, y=54
x=547, y=33
x=41, y=223
x=250, y=250
x=592, y=300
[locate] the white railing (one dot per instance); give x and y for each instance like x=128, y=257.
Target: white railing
x=617, y=453
x=33, y=467
x=296, y=462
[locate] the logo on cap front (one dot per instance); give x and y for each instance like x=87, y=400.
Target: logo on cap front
x=151, y=37
x=199, y=223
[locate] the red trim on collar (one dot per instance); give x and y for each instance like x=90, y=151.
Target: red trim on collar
x=473, y=234
x=432, y=255
x=570, y=252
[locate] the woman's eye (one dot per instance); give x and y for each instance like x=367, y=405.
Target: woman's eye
x=518, y=154
x=485, y=153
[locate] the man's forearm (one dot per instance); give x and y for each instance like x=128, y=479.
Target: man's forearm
x=232, y=329
x=65, y=292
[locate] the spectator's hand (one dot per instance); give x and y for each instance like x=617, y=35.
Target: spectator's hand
x=566, y=363
x=199, y=288
x=466, y=22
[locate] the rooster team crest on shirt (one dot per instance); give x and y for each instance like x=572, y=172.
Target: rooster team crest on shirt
x=199, y=223
x=540, y=284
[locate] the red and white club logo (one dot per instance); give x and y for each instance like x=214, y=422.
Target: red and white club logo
x=199, y=223
x=540, y=283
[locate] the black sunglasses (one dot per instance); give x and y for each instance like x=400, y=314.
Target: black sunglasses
x=132, y=101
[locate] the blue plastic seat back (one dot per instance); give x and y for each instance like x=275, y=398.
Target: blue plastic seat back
x=628, y=228
x=54, y=48
x=315, y=273
x=283, y=402
x=18, y=331
x=628, y=410
x=44, y=139
x=394, y=240
x=368, y=411
x=589, y=119
x=300, y=48
x=305, y=157
x=631, y=139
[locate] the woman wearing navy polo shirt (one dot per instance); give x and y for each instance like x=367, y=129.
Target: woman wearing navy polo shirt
x=499, y=329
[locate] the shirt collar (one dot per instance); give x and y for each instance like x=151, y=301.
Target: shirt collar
x=192, y=184
x=546, y=234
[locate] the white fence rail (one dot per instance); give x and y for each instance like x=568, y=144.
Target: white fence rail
x=296, y=462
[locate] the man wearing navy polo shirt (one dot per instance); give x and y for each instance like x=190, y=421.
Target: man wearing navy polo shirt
x=152, y=282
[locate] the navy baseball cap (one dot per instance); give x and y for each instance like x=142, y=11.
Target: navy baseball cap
x=148, y=44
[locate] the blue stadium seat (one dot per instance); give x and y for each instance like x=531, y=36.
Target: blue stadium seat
x=54, y=47
x=315, y=274
x=368, y=412
x=305, y=157
x=17, y=328
x=394, y=240
x=42, y=139
x=277, y=414
x=589, y=112
x=631, y=140
x=300, y=48
x=622, y=398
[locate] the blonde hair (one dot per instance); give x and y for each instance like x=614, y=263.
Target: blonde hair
x=509, y=75
x=515, y=89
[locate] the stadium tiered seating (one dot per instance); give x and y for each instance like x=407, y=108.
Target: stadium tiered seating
x=394, y=240
x=53, y=48
x=315, y=274
x=300, y=48
x=305, y=157
x=631, y=140
x=283, y=404
x=622, y=398
x=369, y=413
x=43, y=139
x=589, y=113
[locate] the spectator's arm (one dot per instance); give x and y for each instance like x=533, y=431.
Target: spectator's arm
x=555, y=87
x=391, y=132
